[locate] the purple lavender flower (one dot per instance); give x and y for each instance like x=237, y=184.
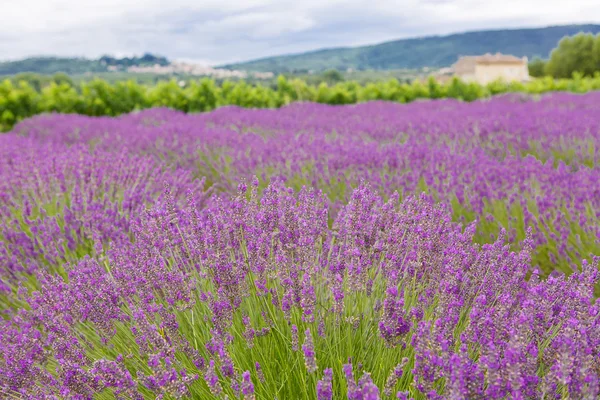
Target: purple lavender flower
x=354, y=391
x=247, y=386
x=249, y=333
x=393, y=378
x=402, y=395
x=368, y=389
x=308, y=299
x=393, y=324
x=324, y=386
x=309, y=352
x=259, y=372
x=88, y=267
x=295, y=339
x=321, y=327
x=212, y=380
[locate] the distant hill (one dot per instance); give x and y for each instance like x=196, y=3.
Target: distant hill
x=432, y=51
x=73, y=66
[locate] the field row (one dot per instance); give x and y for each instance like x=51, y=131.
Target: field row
x=429, y=250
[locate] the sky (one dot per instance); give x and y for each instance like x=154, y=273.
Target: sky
x=215, y=32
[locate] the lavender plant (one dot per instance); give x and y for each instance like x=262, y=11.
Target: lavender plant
x=311, y=283
x=506, y=162
x=61, y=203
x=255, y=296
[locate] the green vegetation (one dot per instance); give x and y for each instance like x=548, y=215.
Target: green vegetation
x=537, y=67
x=73, y=66
x=98, y=98
x=579, y=53
x=434, y=51
x=574, y=54
x=51, y=65
x=332, y=76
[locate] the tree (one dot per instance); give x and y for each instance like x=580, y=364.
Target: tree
x=537, y=67
x=573, y=54
x=61, y=77
x=596, y=52
x=31, y=78
x=332, y=76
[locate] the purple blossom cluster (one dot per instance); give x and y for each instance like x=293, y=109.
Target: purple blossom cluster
x=507, y=161
x=424, y=311
x=62, y=202
x=291, y=254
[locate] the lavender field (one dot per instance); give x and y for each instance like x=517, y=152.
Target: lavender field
x=432, y=250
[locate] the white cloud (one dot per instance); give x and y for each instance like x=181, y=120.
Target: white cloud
x=257, y=25
x=230, y=30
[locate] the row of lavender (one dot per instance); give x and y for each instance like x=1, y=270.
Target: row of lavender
x=505, y=162
x=131, y=268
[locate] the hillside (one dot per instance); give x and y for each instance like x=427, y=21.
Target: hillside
x=51, y=65
x=73, y=66
x=432, y=51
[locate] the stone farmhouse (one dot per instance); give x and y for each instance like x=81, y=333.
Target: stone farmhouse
x=490, y=67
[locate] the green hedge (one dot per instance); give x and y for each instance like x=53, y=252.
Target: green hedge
x=19, y=100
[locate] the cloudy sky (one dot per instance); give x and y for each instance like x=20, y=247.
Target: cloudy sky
x=222, y=31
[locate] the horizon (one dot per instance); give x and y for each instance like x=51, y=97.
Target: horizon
x=204, y=64
x=214, y=33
